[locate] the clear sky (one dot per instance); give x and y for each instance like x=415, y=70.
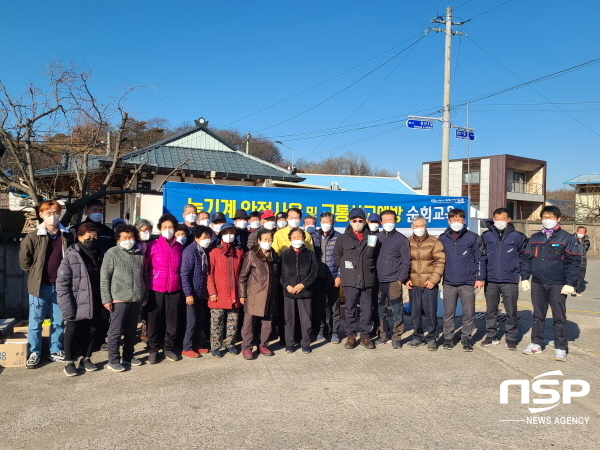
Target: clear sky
x=225, y=60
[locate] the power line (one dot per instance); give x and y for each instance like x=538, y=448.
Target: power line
x=485, y=12
x=364, y=101
x=461, y=5
x=539, y=93
x=323, y=82
x=344, y=89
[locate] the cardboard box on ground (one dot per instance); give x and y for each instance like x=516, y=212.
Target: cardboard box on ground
x=13, y=349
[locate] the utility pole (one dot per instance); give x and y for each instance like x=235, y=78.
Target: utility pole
x=446, y=108
x=248, y=137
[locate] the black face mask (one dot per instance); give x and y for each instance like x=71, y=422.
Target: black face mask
x=90, y=244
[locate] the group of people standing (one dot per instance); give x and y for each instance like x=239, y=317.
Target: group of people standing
x=199, y=284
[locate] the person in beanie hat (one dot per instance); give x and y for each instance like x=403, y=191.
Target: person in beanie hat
x=355, y=253
x=240, y=221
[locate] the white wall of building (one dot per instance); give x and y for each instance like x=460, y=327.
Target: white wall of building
x=456, y=176
x=484, y=188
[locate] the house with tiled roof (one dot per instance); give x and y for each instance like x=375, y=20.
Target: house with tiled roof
x=196, y=155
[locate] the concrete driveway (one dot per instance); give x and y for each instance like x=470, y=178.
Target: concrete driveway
x=333, y=398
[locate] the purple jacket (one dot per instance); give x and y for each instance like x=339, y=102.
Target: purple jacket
x=164, y=263
x=194, y=270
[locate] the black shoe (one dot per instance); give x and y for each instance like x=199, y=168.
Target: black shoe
x=133, y=362
x=171, y=356
x=467, y=347
x=88, y=365
x=488, y=341
x=306, y=350
x=396, y=345
x=152, y=357
x=415, y=343
x=511, y=345
x=432, y=346
x=289, y=349
x=448, y=344
x=70, y=370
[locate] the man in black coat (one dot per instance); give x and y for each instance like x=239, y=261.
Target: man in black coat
x=355, y=253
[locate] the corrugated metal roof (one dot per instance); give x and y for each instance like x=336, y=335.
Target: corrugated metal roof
x=590, y=178
x=384, y=185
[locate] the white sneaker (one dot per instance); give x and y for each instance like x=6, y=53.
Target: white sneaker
x=33, y=361
x=560, y=355
x=59, y=356
x=531, y=349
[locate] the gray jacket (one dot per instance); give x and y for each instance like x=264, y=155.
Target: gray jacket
x=124, y=276
x=74, y=286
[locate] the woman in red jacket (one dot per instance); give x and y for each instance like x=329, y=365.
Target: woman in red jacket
x=222, y=285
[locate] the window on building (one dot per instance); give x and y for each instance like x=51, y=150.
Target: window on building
x=471, y=177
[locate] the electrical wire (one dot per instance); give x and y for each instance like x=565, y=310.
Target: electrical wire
x=461, y=5
x=363, y=102
x=485, y=12
x=323, y=82
x=344, y=89
x=536, y=91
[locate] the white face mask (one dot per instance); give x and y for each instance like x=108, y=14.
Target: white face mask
x=266, y=245
x=269, y=225
x=96, y=217
x=419, y=231
x=241, y=224
x=203, y=222
x=389, y=226
x=216, y=228
x=190, y=218
x=297, y=243
x=549, y=224
x=228, y=238
x=282, y=223
x=580, y=236
x=51, y=221
x=127, y=244
x=255, y=225
x=457, y=226
x=167, y=234
x=144, y=235
x=500, y=224
x=358, y=227
x=310, y=228
x=293, y=222
x=204, y=243
x=181, y=239
x=326, y=227
x=374, y=227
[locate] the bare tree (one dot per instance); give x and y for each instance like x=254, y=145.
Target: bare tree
x=347, y=164
x=259, y=146
x=64, y=106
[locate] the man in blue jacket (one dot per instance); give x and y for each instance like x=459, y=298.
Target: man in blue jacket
x=552, y=260
x=326, y=297
x=464, y=273
x=393, y=269
x=505, y=249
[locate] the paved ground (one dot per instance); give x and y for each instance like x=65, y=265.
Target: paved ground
x=333, y=398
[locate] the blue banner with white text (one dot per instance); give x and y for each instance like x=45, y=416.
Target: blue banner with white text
x=227, y=199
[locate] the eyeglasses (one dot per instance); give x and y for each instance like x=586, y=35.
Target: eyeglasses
x=357, y=221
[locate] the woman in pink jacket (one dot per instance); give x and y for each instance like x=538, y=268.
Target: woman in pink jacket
x=163, y=258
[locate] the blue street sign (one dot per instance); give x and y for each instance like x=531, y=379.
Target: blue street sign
x=421, y=124
x=464, y=134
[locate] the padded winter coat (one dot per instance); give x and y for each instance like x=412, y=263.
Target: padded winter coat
x=163, y=260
